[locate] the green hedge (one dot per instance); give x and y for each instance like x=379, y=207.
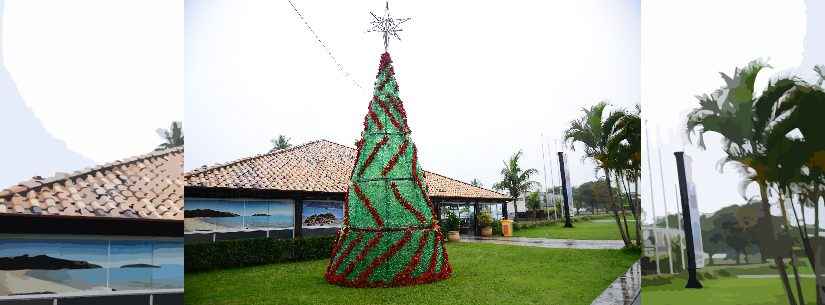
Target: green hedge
x=251, y=252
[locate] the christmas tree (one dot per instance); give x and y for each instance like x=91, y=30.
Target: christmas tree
x=390, y=235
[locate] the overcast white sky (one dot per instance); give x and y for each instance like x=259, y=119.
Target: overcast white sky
x=685, y=45
x=100, y=75
x=480, y=80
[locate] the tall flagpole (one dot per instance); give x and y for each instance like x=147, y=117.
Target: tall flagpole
x=544, y=170
x=652, y=201
x=664, y=198
x=549, y=146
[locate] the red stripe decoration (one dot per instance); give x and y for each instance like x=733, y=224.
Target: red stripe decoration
x=372, y=155
x=360, y=257
x=358, y=147
x=384, y=257
x=433, y=258
x=399, y=107
x=385, y=60
x=346, y=208
x=418, y=181
x=445, y=261
x=377, y=218
x=406, y=203
x=388, y=113
x=404, y=275
x=346, y=252
x=339, y=241
x=391, y=164
x=375, y=119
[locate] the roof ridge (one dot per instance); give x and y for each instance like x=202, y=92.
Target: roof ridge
x=336, y=143
x=62, y=176
x=465, y=183
x=204, y=169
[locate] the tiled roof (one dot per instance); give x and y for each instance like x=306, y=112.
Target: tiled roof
x=148, y=186
x=318, y=166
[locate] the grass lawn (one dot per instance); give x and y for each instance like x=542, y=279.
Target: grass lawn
x=596, y=229
x=482, y=274
x=724, y=290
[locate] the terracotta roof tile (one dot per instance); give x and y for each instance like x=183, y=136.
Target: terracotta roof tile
x=150, y=186
x=318, y=166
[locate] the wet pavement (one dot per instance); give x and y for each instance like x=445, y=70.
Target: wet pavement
x=625, y=290
x=548, y=243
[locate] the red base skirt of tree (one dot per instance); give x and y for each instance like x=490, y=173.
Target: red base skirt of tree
x=388, y=258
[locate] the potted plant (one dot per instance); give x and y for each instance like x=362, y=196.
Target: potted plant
x=452, y=224
x=485, y=221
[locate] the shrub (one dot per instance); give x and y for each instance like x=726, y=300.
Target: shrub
x=705, y=275
x=632, y=249
x=496, y=227
x=657, y=280
x=485, y=219
x=724, y=273
x=452, y=222
x=252, y=252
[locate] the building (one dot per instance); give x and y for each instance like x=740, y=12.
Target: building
x=297, y=192
x=104, y=235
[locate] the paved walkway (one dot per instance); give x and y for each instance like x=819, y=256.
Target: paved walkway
x=625, y=290
x=548, y=243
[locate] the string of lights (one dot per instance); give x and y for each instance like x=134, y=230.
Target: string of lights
x=324, y=45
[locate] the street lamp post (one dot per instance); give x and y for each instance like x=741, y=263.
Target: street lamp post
x=564, y=182
x=693, y=281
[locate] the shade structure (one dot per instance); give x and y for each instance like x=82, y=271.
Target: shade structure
x=390, y=235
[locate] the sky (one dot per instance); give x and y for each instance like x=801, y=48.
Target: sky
x=685, y=45
x=99, y=75
x=479, y=80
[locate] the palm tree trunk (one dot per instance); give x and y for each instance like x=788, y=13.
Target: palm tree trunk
x=780, y=264
x=638, y=209
x=784, y=210
x=633, y=210
x=806, y=244
x=613, y=206
x=515, y=207
x=624, y=214
x=816, y=270
x=816, y=214
x=796, y=277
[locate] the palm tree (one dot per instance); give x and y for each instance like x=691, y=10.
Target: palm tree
x=533, y=203
x=798, y=159
x=624, y=134
x=281, y=142
x=515, y=180
x=744, y=120
x=476, y=182
x=590, y=132
x=172, y=137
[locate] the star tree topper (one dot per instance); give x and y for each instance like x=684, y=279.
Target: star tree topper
x=387, y=25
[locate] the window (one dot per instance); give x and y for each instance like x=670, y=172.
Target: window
x=54, y=264
x=209, y=215
x=323, y=214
